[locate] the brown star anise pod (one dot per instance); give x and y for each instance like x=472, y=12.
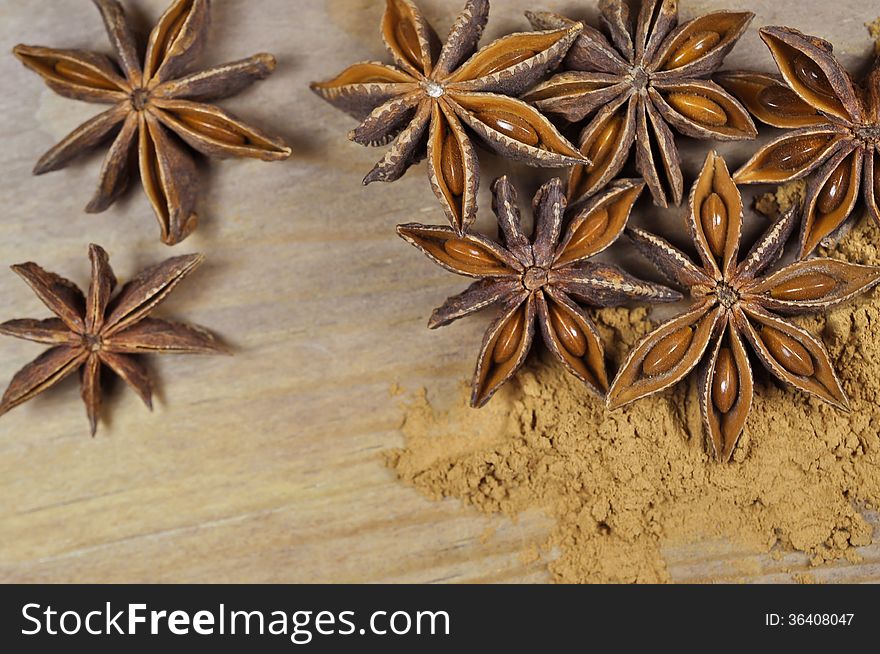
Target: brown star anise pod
x=94, y=330
x=539, y=279
x=637, y=85
x=430, y=94
x=734, y=301
x=148, y=101
x=836, y=130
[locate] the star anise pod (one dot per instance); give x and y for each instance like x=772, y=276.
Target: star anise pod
x=539, y=279
x=639, y=84
x=736, y=301
x=431, y=94
x=836, y=130
x=154, y=107
x=93, y=330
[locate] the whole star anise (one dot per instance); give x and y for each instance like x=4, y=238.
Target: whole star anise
x=733, y=301
x=644, y=80
x=94, y=330
x=539, y=279
x=430, y=94
x=836, y=130
x=148, y=101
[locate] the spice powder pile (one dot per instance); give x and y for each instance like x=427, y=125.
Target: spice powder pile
x=622, y=486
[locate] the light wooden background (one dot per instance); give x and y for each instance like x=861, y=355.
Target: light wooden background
x=267, y=467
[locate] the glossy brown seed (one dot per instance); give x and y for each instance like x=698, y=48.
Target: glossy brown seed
x=725, y=381
x=698, y=108
x=81, y=75
x=602, y=145
x=510, y=125
x=790, y=354
x=667, y=352
x=568, y=331
x=506, y=60
x=833, y=193
x=811, y=76
x=507, y=342
x=783, y=102
x=810, y=286
x=212, y=128
x=796, y=153
x=408, y=42
x=594, y=225
x=468, y=253
x=714, y=219
x=452, y=166
x=692, y=49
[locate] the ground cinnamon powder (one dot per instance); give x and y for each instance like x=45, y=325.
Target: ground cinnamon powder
x=622, y=486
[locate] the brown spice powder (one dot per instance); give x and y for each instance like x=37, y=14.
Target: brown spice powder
x=622, y=485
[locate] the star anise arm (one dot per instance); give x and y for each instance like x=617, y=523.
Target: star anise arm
x=651, y=128
x=144, y=293
x=409, y=38
x=389, y=119
x=41, y=374
x=574, y=95
x=548, y=208
x=463, y=37
x=405, y=150
x=604, y=285
x=831, y=196
x=505, y=347
x=812, y=72
x=360, y=88
x=219, y=82
x=655, y=21
x=594, y=226
x=668, y=259
x=60, y=295
x=698, y=48
x=871, y=184
x=715, y=217
x=812, y=285
x=615, y=16
x=769, y=247
x=132, y=372
x=572, y=338
x=666, y=355
x=726, y=390
x=453, y=169
x=117, y=166
x=769, y=100
x=83, y=138
x=479, y=295
x=177, y=39
x=90, y=389
x=791, y=156
x=121, y=37
x=51, y=331
x=101, y=287
x=76, y=74
x=152, y=335
x=472, y=255
x=514, y=63
x=590, y=52
x=702, y=109
x=169, y=178
x=793, y=355
x=217, y=133
x=505, y=205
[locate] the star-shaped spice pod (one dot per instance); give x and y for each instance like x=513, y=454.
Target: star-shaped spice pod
x=539, y=280
x=154, y=107
x=645, y=81
x=734, y=301
x=431, y=95
x=91, y=331
x=836, y=130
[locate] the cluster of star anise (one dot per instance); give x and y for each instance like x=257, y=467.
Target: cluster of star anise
x=630, y=86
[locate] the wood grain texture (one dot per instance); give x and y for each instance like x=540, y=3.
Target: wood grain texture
x=267, y=467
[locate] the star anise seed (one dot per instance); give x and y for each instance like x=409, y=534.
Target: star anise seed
x=154, y=107
x=539, y=280
x=427, y=99
x=93, y=330
x=734, y=301
x=637, y=85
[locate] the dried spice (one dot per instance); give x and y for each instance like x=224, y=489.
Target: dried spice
x=93, y=330
x=639, y=84
x=835, y=137
x=539, y=280
x=735, y=301
x=426, y=99
x=151, y=103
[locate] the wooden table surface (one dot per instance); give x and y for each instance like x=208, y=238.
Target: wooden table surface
x=266, y=467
